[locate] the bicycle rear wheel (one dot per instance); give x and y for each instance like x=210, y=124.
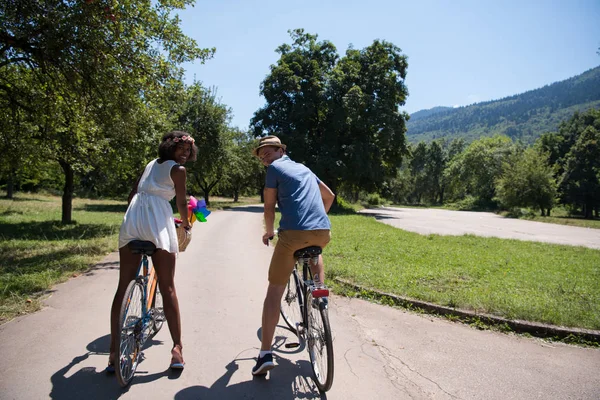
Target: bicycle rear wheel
x=319, y=342
x=157, y=312
x=130, y=335
x=290, y=303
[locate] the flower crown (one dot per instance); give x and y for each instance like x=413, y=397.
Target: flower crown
x=184, y=138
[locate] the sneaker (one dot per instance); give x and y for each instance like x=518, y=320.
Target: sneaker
x=263, y=364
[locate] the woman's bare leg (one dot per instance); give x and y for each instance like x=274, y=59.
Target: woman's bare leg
x=164, y=263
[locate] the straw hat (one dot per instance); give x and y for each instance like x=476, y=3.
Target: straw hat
x=268, y=141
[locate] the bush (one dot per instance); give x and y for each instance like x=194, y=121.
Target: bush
x=373, y=199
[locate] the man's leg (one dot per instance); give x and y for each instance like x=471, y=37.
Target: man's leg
x=270, y=315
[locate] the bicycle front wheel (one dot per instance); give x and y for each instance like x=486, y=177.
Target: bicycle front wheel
x=131, y=332
x=290, y=303
x=319, y=342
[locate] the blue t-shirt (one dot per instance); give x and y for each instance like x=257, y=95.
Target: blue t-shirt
x=298, y=196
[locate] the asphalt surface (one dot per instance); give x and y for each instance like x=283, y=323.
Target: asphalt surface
x=446, y=222
x=380, y=352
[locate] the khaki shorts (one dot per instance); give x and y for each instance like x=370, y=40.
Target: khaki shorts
x=282, y=262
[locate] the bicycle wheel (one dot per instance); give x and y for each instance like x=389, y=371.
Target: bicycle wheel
x=157, y=312
x=319, y=342
x=131, y=331
x=290, y=303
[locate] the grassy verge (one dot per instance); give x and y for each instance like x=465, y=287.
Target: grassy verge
x=539, y=282
x=560, y=216
x=37, y=251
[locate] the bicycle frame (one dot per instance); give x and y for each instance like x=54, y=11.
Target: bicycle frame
x=148, y=280
x=303, y=286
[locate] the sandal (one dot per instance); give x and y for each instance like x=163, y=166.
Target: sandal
x=177, y=358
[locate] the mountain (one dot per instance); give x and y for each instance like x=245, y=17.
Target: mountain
x=523, y=116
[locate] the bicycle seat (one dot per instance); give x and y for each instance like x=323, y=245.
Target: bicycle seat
x=308, y=252
x=142, y=247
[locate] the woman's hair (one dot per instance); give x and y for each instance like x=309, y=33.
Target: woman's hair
x=166, y=148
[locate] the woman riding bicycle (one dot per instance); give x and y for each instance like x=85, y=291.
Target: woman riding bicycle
x=150, y=217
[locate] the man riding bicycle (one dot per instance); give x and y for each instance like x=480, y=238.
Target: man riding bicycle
x=304, y=201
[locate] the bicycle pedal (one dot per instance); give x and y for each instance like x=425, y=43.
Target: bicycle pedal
x=291, y=345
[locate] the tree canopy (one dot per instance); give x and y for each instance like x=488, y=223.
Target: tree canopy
x=337, y=115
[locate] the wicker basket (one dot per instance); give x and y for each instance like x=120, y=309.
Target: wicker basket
x=184, y=237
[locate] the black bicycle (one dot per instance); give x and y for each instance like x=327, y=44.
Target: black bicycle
x=304, y=309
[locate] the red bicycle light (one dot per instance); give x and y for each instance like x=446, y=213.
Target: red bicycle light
x=320, y=293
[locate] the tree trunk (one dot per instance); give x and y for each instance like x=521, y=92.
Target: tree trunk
x=10, y=185
x=67, y=198
x=588, y=211
x=236, y=195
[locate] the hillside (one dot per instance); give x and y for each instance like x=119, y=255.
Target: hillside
x=524, y=116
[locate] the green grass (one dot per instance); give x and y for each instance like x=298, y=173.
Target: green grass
x=223, y=203
x=562, y=217
x=514, y=279
x=518, y=280
x=37, y=251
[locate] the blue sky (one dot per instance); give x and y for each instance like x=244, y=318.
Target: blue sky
x=459, y=52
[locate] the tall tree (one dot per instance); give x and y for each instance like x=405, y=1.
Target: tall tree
x=572, y=165
x=243, y=168
x=96, y=65
x=527, y=181
x=206, y=119
x=339, y=116
x=474, y=171
x=580, y=181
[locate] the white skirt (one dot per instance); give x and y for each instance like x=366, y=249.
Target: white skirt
x=149, y=218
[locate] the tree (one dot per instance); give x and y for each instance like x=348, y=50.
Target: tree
x=580, y=182
x=367, y=88
x=338, y=116
x=417, y=164
x=243, y=167
x=574, y=168
x=434, y=170
x=95, y=66
x=206, y=119
x=474, y=171
x=527, y=181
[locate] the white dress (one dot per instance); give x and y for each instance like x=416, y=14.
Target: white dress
x=149, y=215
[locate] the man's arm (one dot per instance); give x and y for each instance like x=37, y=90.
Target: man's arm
x=327, y=195
x=270, y=196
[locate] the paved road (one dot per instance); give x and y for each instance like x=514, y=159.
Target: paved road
x=447, y=222
x=380, y=352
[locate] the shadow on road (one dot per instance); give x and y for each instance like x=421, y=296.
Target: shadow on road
x=288, y=381
x=89, y=383
x=253, y=209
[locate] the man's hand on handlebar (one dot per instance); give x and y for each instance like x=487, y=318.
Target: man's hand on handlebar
x=267, y=236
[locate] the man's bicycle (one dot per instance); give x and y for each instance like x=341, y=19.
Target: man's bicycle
x=304, y=309
x=141, y=314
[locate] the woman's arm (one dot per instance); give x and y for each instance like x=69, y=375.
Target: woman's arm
x=134, y=189
x=179, y=176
